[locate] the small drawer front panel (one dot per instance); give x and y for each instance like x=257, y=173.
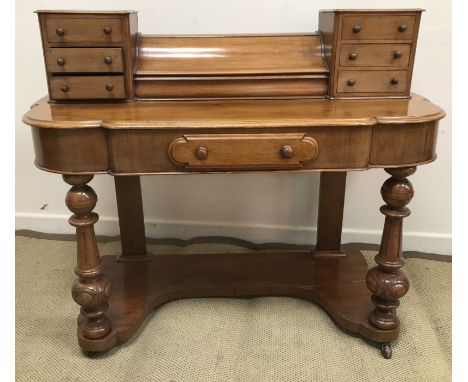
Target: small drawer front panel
x=87, y=87
x=243, y=151
x=84, y=30
x=359, y=55
x=69, y=60
x=378, y=27
x=379, y=81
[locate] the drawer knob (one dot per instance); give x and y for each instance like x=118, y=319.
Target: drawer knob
x=109, y=87
x=108, y=60
x=64, y=88
x=397, y=54
x=107, y=30
x=352, y=56
x=287, y=151
x=201, y=153
x=351, y=82
x=60, y=31
x=356, y=29
x=394, y=81
x=402, y=28
x=60, y=61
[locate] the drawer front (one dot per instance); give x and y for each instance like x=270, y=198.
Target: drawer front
x=243, y=151
x=87, y=87
x=378, y=27
x=83, y=30
x=393, y=55
x=68, y=60
x=379, y=81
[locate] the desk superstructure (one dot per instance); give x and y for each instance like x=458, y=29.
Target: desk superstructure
x=129, y=104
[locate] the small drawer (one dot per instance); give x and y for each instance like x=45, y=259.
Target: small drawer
x=355, y=55
x=87, y=87
x=69, y=60
x=83, y=30
x=378, y=81
x=378, y=27
x=243, y=151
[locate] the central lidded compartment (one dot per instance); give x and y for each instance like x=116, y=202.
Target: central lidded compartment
x=243, y=66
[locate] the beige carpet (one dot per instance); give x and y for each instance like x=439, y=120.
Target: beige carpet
x=262, y=339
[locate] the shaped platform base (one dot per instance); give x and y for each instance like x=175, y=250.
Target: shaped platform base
x=334, y=281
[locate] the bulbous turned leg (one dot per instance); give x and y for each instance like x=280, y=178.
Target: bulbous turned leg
x=91, y=290
x=386, y=281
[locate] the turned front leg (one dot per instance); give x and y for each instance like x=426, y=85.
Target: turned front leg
x=387, y=281
x=91, y=290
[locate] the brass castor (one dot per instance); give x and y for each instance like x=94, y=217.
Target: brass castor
x=386, y=350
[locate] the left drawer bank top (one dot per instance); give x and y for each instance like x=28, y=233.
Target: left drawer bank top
x=89, y=55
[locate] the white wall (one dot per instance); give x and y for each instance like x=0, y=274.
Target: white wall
x=257, y=207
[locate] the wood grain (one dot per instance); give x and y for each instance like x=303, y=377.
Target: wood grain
x=234, y=55
x=140, y=287
x=83, y=29
x=380, y=55
x=369, y=82
x=234, y=114
x=330, y=210
x=378, y=27
x=239, y=151
x=87, y=87
x=84, y=60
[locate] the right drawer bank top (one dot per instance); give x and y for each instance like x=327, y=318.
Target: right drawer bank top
x=370, y=53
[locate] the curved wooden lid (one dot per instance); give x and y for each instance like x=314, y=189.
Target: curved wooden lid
x=229, y=55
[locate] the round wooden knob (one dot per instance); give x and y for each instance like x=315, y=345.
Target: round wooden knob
x=60, y=61
x=201, y=153
x=352, y=56
x=64, y=88
x=402, y=28
x=356, y=29
x=287, y=151
x=107, y=30
x=60, y=31
x=394, y=81
x=109, y=87
x=351, y=82
x=397, y=54
x=108, y=60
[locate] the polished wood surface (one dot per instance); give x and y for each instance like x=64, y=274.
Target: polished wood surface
x=330, y=211
x=243, y=151
x=367, y=83
x=387, y=55
x=131, y=218
x=379, y=27
x=227, y=104
x=92, y=289
x=189, y=87
x=94, y=42
x=69, y=60
x=234, y=114
x=87, y=87
x=233, y=55
x=83, y=30
x=387, y=282
x=136, y=138
x=371, y=42
x=334, y=282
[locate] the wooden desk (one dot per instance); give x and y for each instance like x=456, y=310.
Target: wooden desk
x=141, y=138
x=126, y=104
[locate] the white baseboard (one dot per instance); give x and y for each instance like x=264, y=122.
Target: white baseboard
x=440, y=243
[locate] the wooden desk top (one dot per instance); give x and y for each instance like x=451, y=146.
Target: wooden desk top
x=233, y=113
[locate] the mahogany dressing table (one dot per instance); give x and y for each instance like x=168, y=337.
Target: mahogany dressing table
x=127, y=104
